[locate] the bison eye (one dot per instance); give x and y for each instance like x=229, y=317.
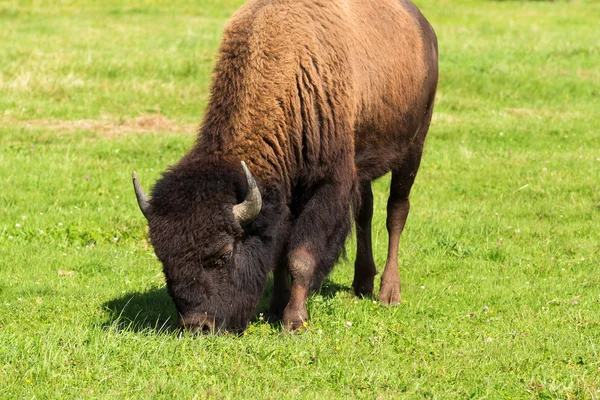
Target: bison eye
x=219, y=261
x=226, y=257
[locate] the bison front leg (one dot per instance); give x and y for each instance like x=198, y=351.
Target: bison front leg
x=317, y=239
x=302, y=268
x=281, y=290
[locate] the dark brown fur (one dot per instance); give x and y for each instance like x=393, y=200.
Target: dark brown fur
x=318, y=97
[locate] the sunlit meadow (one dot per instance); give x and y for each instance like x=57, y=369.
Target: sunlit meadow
x=499, y=259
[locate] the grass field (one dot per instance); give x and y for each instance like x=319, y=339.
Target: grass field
x=500, y=258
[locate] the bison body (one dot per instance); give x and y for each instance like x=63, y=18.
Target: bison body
x=318, y=97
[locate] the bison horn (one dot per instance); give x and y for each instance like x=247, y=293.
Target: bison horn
x=142, y=199
x=246, y=211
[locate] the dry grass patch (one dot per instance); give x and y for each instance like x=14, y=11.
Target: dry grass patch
x=107, y=126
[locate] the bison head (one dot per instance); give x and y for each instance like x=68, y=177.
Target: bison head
x=197, y=226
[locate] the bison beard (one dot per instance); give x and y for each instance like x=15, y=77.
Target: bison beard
x=319, y=98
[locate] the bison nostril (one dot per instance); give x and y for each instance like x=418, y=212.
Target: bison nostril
x=207, y=329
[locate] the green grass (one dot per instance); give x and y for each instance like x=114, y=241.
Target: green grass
x=499, y=259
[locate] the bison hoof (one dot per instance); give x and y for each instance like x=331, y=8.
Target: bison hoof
x=390, y=294
x=364, y=277
x=295, y=326
x=363, y=288
x=295, y=321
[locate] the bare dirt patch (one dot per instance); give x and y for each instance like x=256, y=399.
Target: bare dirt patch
x=108, y=126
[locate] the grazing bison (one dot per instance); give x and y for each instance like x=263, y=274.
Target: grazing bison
x=318, y=98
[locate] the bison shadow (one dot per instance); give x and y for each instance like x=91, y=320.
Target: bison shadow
x=154, y=311
x=329, y=289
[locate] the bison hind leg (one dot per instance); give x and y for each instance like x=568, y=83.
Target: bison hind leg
x=364, y=265
x=398, y=208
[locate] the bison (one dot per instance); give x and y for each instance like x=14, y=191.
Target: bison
x=315, y=99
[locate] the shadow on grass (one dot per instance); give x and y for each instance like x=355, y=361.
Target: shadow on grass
x=154, y=311
x=329, y=289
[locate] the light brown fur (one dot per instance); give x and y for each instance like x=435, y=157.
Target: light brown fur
x=318, y=79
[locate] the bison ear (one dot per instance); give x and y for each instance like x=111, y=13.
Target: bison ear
x=142, y=199
x=245, y=212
